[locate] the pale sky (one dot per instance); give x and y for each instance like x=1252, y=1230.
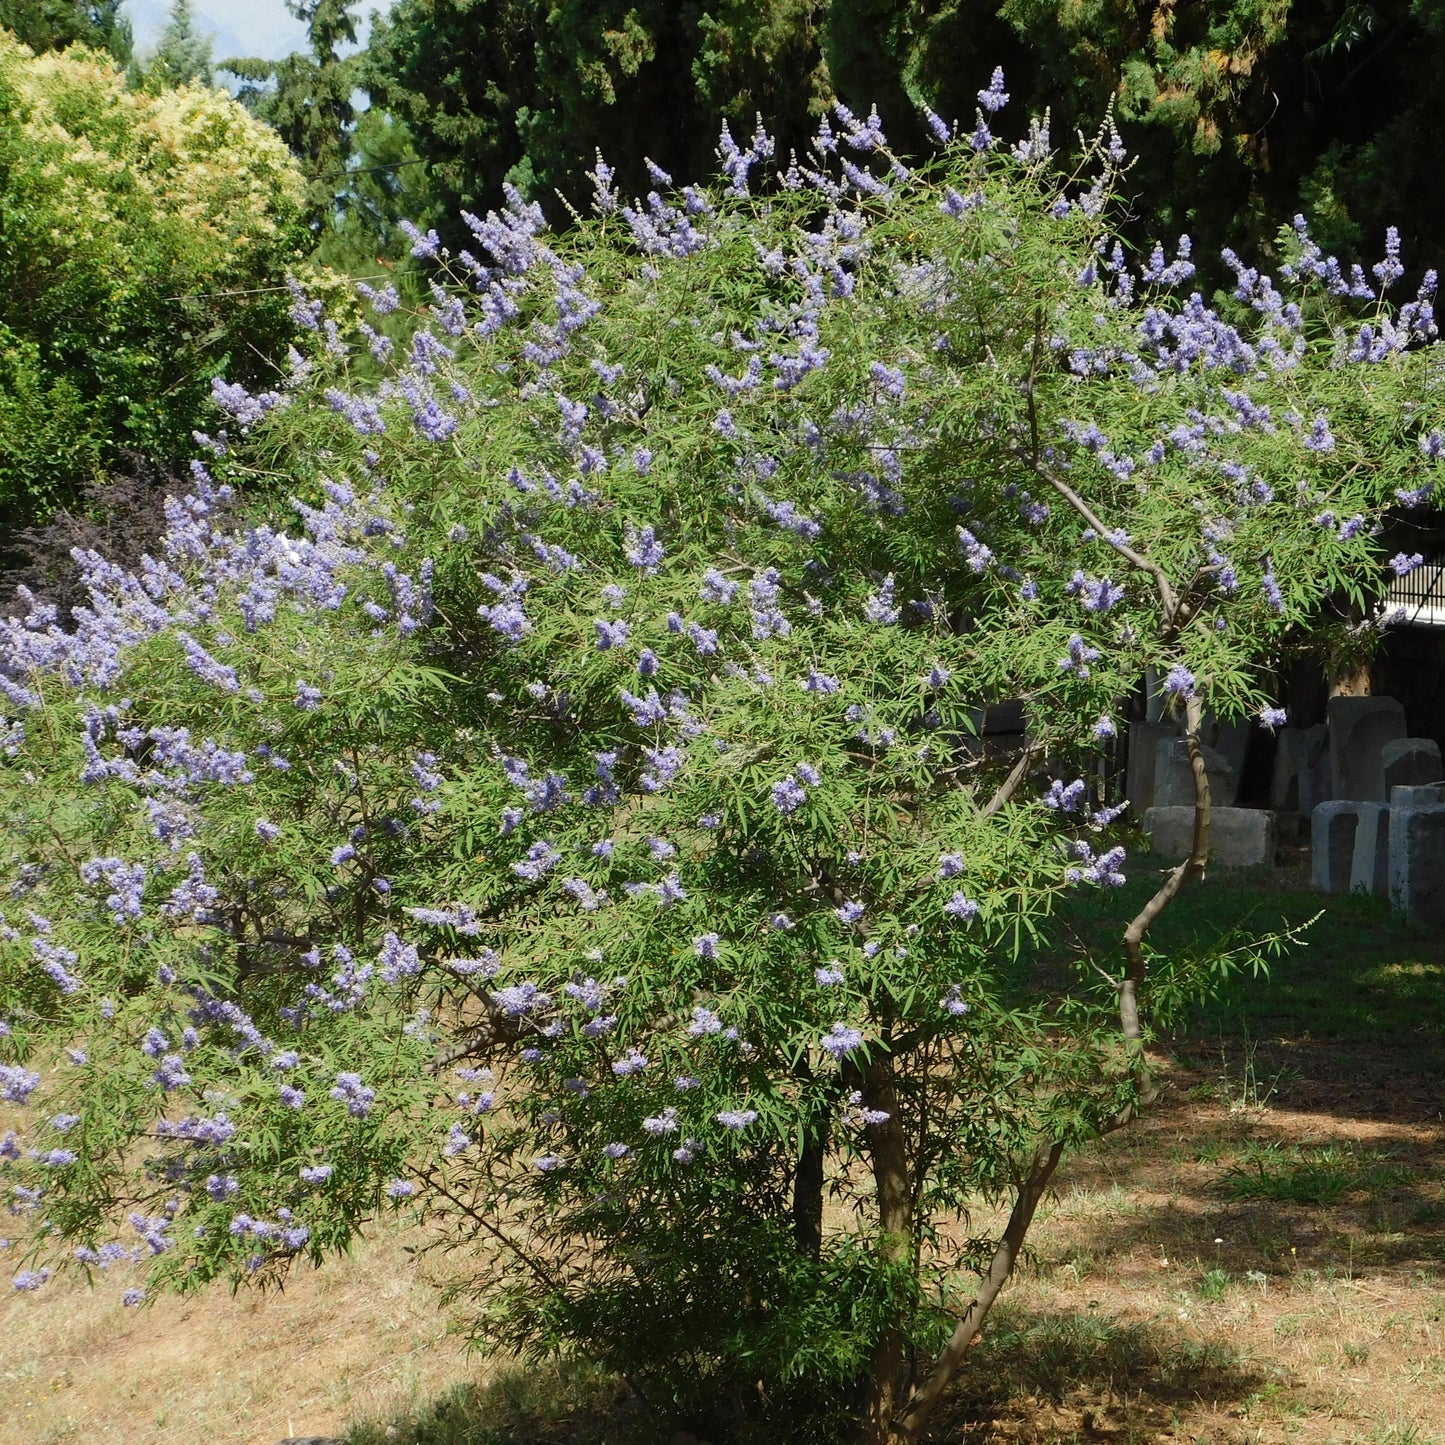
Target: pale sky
x=263, y=28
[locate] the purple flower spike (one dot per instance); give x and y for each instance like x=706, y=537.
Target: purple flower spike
x=1180, y=682
x=995, y=97
x=961, y=907
x=736, y=1119
x=840, y=1040
x=789, y=795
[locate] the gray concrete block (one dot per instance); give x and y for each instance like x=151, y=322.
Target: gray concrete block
x=1238, y=837
x=1170, y=830
x=1332, y=845
x=1231, y=741
x=1174, y=777
x=1289, y=751
x=1144, y=739
x=1417, y=862
x=1359, y=729
x=1242, y=837
x=1316, y=780
x=1370, y=865
x=1408, y=762
x=1421, y=795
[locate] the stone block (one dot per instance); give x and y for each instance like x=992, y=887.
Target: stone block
x=1408, y=762
x=1238, y=837
x=1316, y=779
x=1421, y=795
x=1242, y=837
x=1370, y=865
x=1359, y=729
x=1174, y=777
x=1284, y=783
x=1332, y=845
x=1231, y=741
x=1417, y=862
x=1144, y=739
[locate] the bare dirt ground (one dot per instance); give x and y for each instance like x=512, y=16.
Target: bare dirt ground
x=1257, y=1261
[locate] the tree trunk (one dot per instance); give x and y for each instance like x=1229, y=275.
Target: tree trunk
x=910, y=1424
x=888, y=1383
x=808, y=1188
x=905, y=1425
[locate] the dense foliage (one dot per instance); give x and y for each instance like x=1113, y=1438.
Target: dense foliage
x=1240, y=114
x=524, y=91
x=54, y=24
x=144, y=245
x=572, y=821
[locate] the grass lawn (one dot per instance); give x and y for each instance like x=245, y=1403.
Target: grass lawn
x=1261, y=1259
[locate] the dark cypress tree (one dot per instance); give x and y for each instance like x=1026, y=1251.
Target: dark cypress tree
x=54, y=24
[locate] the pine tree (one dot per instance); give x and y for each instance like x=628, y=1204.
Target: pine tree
x=182, y=57
x=307, y=98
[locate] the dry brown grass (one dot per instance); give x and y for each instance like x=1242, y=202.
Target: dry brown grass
x=359, y=1339
x=1155, y=1308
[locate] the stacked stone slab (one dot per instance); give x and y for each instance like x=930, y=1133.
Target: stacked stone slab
x=1417, y=852
x=1359, y=729
x=1284, y=783
x=1231, y=741
x=1332, y=845
x=1379, y=775
x=1144, y=740
x=1409, y=762
x=1174, y=775
x=1238, y=837
x=1370, y=861
x=1316, y=776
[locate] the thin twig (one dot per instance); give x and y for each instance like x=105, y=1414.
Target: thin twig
x=1167, y=595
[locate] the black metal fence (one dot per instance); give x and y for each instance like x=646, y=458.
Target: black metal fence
x=1419, y=596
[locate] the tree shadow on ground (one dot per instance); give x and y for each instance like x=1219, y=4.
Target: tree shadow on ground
x=1036, y=1378
x=520, y=1404
x=1051, y=1378
x=1307, y=1182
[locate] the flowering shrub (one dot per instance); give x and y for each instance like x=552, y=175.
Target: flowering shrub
x=147, y=240
x=570, y=822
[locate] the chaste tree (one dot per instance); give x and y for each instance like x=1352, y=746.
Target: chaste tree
x=569, y=821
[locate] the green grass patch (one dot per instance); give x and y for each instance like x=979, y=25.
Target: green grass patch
x=1292, y=1174
x=1214, y=1284
x=1359, y=972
